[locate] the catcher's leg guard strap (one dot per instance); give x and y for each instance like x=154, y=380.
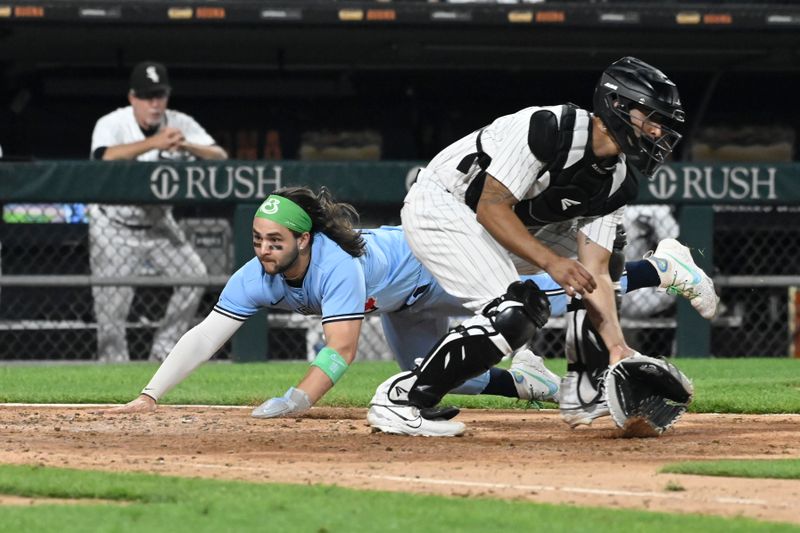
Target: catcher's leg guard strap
x=465, y=352
x=506, y=323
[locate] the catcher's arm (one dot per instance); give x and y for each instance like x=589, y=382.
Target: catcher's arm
x=601, y=304
x=331, y=362
x=648, y=392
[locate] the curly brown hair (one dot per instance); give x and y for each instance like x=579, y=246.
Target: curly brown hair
x=335, y=219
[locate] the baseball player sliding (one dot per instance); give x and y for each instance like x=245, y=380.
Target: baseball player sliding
x=310, y=260
x=531, y=191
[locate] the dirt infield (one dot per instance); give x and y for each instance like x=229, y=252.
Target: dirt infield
x=526, y=455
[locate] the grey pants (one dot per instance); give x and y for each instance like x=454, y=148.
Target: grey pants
x=117, y=250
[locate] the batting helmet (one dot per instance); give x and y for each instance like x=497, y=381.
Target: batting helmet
x=630, y=83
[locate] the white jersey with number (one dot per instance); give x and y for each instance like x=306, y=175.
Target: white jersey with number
x=120, y=127
x=444, y=233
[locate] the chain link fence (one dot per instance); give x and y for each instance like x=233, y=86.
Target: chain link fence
x=762, y=243
x=79, y=286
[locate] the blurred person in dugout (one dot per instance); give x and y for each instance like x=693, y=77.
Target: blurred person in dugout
x=646, y=226
x=129, y=240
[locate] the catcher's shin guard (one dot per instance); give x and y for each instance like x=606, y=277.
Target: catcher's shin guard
x=505, y=324
x=584, y=347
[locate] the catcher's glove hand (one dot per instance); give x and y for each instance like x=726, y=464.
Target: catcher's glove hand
x=646, y=396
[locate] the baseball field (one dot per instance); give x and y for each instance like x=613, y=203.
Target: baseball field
x=201, y=463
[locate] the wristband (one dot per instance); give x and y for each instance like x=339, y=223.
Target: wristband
x=329, y=361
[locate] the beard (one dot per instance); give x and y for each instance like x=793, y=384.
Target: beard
x=279, y=267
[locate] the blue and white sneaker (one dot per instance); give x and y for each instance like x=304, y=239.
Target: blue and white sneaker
x=682, y=277
x=534, y=381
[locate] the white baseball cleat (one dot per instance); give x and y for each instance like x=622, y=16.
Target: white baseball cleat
x=681, y=276
x=406, y=420
x=580, y=402
x=533, y=380
x=389, y=417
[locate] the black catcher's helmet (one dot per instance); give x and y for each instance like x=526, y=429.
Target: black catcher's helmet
x=630, y=83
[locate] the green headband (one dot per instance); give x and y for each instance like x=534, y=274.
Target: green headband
x=285, y=212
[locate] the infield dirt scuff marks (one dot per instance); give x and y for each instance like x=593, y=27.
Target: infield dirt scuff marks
x=524, y=455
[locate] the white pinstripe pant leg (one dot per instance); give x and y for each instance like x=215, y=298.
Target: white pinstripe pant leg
x=562, y=237
x=446, y=237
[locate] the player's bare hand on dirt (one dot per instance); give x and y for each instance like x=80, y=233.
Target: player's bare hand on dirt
x=167, y=139
x=142, y=404
x=572, y=276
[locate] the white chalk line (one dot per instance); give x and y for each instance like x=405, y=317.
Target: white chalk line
x=109, y=405
x=577, y=490
x=465, y=411
x=524, y=488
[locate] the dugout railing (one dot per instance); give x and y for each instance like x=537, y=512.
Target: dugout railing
x=740, y=220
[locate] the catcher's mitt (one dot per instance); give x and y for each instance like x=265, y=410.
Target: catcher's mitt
x=646, y=396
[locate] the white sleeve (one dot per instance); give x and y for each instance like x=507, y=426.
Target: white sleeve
x=192, y=130
x=104, y=134
x=195, y=348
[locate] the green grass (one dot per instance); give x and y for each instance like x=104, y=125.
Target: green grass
x=752, y=385
x=722, y=385
x=155, y=503
x=758, y=468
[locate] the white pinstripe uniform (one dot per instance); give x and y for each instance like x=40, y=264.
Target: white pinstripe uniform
x=126, y=239
x=447, y=238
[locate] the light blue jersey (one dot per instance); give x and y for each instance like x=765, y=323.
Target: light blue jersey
x=336, y=285
x=387, y=280
x=333, y=287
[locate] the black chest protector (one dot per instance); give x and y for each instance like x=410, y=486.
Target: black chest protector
x=582, y=189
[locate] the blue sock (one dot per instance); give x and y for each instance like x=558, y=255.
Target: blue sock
x=475, y=385
x=641, y=274
x=501, y=384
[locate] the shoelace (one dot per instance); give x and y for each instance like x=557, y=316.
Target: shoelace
x=533, y=404
x=601, y=389
x=676, y=289
x=681, y=289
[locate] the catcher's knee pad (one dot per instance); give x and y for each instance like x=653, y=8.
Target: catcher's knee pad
x=519, y=313
x=584, y=347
